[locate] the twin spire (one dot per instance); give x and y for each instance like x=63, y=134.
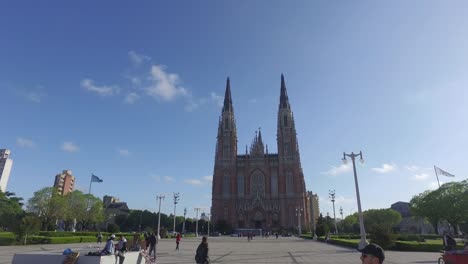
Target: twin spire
x=227, y=98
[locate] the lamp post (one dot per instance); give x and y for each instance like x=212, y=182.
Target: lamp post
x=353, y=156
x=312, y=202
x=183, y=225
x=298, y=213
x=160, y=197
x=208, y=217
x=196, y=225
x=332, y=197
x=342, y=219
x=176, y=200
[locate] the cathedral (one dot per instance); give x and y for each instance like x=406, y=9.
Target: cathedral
x=259, y=189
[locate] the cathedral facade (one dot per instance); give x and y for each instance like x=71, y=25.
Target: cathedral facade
x=259, y=189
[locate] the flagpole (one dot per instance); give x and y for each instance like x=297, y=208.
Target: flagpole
x=437, y=176
x=90, y=182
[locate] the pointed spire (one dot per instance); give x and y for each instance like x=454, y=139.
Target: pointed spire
x=284, y=101
x=227, y=97
x=260, y=136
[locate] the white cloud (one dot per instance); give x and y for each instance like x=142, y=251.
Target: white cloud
x=421, y=177
x=33, y=96
x=155, y=177
x=219, y=100
x=193, y=182
x=386, y=168
x=164, y=85
x=123, y=152
x=168, y=178
x=208, y=178
x=136, y=58
x=88, y=84
x=24, y=142
x=131, y=98
x=412, y=168
x=69, y=147
x=338, y=170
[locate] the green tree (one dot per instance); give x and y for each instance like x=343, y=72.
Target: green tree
x=47, y=204
x=386, y=218
x=10, y=209
x=449, y=202
x=322, y=227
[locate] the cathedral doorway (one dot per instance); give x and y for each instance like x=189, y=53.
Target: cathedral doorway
x=258, y=224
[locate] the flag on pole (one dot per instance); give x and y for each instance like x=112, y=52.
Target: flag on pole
x=440, y=171
x=95, y=178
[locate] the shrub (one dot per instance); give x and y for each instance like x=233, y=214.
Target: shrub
x=382, y=236
x=7, y=238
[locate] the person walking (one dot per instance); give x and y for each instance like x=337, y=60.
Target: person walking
x=99, y=237
x=177, y=240
x=201, y=256
x=372, y=254
x=152, y=245
x=121, y=249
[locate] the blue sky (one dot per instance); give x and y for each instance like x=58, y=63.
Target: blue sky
x=131, y=92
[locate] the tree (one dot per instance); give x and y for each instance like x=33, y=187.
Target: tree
x=322, y=227
x=10, y=209
x=449, y=202
x=47, y=204
x=386, y=218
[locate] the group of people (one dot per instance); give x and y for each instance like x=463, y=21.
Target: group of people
x=119, y=249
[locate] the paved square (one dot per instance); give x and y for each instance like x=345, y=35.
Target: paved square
x=238, y=250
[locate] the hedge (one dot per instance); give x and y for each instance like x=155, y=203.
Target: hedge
x=7, y=238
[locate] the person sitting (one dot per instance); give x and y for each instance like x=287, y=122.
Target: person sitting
x=449, y=242
x=109, y=247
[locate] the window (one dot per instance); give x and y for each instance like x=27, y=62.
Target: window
x=226, y=185
x=240, y=184
x=289, y=182
x=285, y=120
x=274, y=183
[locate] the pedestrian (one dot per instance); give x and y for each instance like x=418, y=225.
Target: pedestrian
x=147, y=236
x=449, y=242
x=99, y=237
x=201, y=256
x=109, y=247
x=121, y=249
x=152, y=245
x=372, y=254
x=177, y=240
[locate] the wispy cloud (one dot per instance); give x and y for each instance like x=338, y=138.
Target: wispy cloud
x=420, y=177
x=193, y=182
x=208, y=178
x=168, y=178
x=155, y=177
x=333, y=171
x=103, y=90
x=123, y=152
x=386, y=168
x=136, y=58
x=217, y=99
x=164, y=85
x=131, y=98
x=412, y=168
x=35, y=97
x=24, y=142
x=69, y=147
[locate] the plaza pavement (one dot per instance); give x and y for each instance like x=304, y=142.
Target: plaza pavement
x=239, y=250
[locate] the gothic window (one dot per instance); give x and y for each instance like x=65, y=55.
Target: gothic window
x=240, y=184
x=257, y=186
x=226, y=124
x=289, y=182
x=286, y=149
x=226, y=185
x=274, y=183
x=285, y=120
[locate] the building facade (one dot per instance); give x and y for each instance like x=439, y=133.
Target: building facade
x=5, y=168
x=259, y=189
x=64, y=182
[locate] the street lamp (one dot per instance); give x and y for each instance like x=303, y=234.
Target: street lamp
x=332, y=197
x=298, y=213
x=196, y=226
x=160, y=197
x=208, y=217
x=312, y=202
x=183, y=225
x=363, y=243
x=176, y=200
x=342, y=219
